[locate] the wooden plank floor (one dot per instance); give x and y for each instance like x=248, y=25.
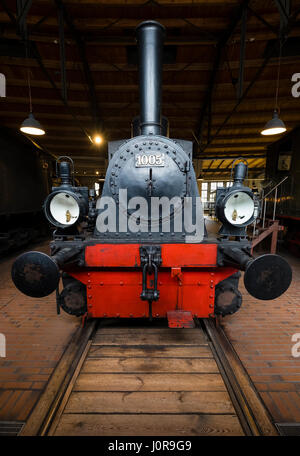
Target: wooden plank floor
x=149, y=381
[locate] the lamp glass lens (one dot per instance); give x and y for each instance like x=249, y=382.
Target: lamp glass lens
x=64, y=209
x=239, y=208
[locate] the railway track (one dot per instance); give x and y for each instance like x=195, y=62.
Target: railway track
x=149, y=380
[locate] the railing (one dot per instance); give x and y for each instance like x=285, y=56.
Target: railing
x=272, y=230
x=264, y=201
x=273, y=227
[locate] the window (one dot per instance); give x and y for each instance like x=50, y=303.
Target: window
x=209, y=191
x=204, y=196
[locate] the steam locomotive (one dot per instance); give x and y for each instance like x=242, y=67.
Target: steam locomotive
x=142, y=250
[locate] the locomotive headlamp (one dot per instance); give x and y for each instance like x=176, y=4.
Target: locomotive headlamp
x=62, y=208
x=235, y=205
x=67, y=204
x=238, y=208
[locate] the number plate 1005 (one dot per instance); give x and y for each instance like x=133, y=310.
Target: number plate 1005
x=142, y=160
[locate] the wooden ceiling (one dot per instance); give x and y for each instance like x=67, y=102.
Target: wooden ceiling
x=200, y=80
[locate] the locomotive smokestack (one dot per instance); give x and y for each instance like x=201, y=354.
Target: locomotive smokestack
x=150, y=38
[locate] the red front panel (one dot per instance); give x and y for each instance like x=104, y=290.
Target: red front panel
x=173, y=255
x=186, y=280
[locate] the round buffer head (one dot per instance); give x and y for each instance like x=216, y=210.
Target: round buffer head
x=35, y=274
x=268, y=277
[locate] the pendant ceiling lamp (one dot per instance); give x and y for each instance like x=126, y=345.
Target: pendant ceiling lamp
x=30, y=125
x=275, y=125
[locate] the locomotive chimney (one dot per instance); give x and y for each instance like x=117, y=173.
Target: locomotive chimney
x=150, y=38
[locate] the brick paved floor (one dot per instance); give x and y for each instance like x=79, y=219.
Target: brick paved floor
x=261, y=333
x=35, y=340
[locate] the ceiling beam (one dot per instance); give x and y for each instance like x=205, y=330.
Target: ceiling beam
x=284, y=11
x=177, y=68
x=55, y=87
x=261, y=19
x=34, y=52
x=8, y=12
x=86, y=67
x=33, y=29
x=228, y=170
x=217, y=61
x=119, y=40
x=23, y=7
x=139, y=3
x=62, y=53
x=285, y=30
x=242, y=53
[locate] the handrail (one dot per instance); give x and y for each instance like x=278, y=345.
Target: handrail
x=264, y=202
x=277, y=185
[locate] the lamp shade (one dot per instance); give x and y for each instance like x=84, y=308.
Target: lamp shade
x=31, y=126
x=274, y=126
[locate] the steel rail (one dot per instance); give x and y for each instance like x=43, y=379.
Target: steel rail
x=252, y=413
x=253, y=416
x=45, y=410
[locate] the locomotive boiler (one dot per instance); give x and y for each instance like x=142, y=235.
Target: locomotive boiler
x=142, y=250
